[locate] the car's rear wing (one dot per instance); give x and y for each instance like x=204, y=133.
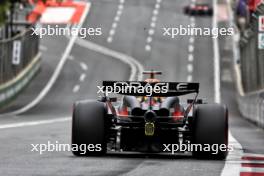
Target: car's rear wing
x=140, y=88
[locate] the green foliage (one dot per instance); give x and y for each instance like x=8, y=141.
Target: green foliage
x=4, y=5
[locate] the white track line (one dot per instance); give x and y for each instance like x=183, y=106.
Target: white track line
x=34, y=123
x=119, y=12
x=76, y=88
x=136, y=67
x=191, y=48
x=191, y=40
x=82, y=77
x=83, y=66
x=152, y=25
x=230, y=168
x=190, y=57
x=217, y=90
x=189, y=78
x=70, y=57
x=147, y=47
x=43, y=48
x=190, y=68
x=57, y=71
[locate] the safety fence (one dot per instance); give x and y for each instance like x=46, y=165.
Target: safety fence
x=19, y=63
x=252, y=53
x=16, y=53
x=249, y=71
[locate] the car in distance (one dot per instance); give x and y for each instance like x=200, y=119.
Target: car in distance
x=198, y=9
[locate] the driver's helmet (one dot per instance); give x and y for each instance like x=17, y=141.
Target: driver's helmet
x=154, y=99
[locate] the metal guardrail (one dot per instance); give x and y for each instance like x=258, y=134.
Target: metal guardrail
x=249, y=72
x=16, y=53
x=252, y=107
x=251, y=57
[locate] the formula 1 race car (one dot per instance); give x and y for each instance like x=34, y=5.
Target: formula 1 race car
x=148, y=118
x=198, y=9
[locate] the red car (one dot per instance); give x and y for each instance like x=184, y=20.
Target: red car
x=198, y=9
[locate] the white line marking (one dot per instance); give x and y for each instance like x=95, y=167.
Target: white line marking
x=157, y=6
x=109, y=39
x=190, y=68
x=136, y=67
x=117, y=18
x=34, y=123
x=154, y=18
x=112, y=32
x=119, y=13
x=147, y=47
x=247, y=162
x=192, y=24
x=84, y=66
x=43, y=48
x=252, y=169
x=114, y=25
x=155, y=12
x=151, y=32
x=189, y=78
x=153, y=24
x=191, y=40
x=149, y=39
x=70, y=57
x=190, y=57
x=76, y=88
x=253, y=154
x=192, y=19
x=235, y=155
x=57, y=71
x=159, y=1
x=216, y=59
x=190, y=48
x=82, y=77
x=120, y=6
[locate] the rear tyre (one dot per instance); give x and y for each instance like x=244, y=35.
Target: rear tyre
x=89, y=128
x=210, y=129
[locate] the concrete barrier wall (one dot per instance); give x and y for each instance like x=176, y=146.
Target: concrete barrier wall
x=252, y=107
x=12, y=88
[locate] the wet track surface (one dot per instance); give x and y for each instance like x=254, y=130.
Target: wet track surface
x=166, y=54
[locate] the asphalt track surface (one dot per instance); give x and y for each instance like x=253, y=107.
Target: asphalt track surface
x=169, y=55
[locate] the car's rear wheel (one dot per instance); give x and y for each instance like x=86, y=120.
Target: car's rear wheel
x=89, y=128
x=210, y=129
